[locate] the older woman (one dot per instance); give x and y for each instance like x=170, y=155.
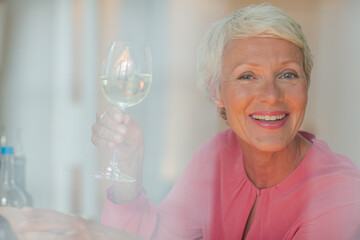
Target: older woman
x=260, y=179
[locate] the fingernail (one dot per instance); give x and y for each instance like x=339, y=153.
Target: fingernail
x=121, y=129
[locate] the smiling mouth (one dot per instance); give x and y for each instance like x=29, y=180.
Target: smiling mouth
x=268, y=118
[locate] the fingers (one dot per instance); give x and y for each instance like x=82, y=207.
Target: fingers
x=110, y=128
x=42, y=236
x=54, y=236
x=109, y=122
x=102, y=144
x=39, y=224
x=114, y=129
x=48, y=224
x=12, y=215
x=8, y=212
x=116, y=114
x=39, y=213
x=113, y=119
x=104, y=137
x=35, y=213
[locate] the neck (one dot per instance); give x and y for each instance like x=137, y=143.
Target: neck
x=266, y=169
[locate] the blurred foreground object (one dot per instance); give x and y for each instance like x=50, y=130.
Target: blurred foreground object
x=10, y=194
x=41, y=224
x=5, y=230
x=20, y=168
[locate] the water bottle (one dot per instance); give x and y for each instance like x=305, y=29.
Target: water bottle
x=20, y=168
x=6, y=232
x=10, y=194
x=2, y=136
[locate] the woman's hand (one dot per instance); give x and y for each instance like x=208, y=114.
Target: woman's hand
x=37, y=224
x=115, y=130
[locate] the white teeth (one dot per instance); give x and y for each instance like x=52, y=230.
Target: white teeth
x=268, y=117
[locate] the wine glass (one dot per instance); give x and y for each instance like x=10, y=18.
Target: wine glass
x=125, y=81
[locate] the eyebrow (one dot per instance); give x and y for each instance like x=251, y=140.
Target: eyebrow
x=256, y=65
x=291, y=62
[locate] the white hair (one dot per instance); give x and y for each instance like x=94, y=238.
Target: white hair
x=262, y=20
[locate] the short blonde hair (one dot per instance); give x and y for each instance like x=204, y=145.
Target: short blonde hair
x=262, y=20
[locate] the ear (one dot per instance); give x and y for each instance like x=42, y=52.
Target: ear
x=215, y=95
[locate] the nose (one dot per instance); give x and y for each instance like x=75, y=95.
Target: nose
x=270, y=92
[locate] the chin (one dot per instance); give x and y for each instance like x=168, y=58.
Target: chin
x=271, y=146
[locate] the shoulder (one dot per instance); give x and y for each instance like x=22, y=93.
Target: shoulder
x=218, y=154
x=323, y=161
x=204, y=169
x=327, y=191
x=223, y=143
x=332, y=178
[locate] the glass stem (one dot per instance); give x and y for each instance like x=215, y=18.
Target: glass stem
x=114, y=161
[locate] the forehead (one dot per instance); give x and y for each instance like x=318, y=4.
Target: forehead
x=261, y=50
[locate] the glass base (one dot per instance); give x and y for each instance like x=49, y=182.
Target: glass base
x=113, y=173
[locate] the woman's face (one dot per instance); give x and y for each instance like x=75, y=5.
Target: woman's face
x=264, y=91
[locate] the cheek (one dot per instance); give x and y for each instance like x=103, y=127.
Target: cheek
x=236, y=102
x=237, y=96
x=303, y=97
x=298, y=100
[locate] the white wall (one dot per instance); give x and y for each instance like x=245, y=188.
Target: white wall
x=335, y=83
x=190, y=117
x=74, y=100
x=26, y=90
x=37, y=94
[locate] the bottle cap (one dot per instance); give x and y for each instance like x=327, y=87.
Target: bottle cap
x=7, y=150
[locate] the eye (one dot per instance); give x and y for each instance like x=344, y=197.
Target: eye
x=246, y=76
x=289, y=75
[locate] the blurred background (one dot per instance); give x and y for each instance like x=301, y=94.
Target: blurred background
x=50, y=57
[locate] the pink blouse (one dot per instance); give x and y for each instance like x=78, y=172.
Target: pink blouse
x=212, y=199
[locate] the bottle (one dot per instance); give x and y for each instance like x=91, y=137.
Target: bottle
x=20, y=168
x=2, y=136
x=6, y=232
x=10, y=194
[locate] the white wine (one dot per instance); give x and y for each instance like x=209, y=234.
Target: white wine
x=126, y=91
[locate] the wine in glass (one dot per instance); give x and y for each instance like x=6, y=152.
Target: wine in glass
x=125, y=81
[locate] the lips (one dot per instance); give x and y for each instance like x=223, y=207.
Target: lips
x=270, y=119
